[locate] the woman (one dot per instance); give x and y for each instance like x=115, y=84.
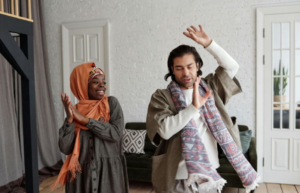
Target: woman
x=91, y=136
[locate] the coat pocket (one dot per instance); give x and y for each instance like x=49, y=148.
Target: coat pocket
x=158, y=171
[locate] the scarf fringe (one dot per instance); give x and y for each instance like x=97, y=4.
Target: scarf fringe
x=74, y=168
x=253, y=186
x=208, y=185
x=59, y=182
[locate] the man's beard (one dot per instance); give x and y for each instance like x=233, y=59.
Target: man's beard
x=186, y=85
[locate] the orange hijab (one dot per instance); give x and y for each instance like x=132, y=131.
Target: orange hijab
x=89, y=108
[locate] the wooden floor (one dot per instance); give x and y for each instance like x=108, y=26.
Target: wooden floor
x=146, y=187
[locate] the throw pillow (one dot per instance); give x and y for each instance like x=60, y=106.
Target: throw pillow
x=245, y=140
x=134, y=141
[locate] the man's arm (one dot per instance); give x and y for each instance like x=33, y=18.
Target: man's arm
x=223, y=81
x=223, y=58
x=174, y=123
x=162, y=119
x=169, y=125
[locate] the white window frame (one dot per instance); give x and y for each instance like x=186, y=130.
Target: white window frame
x=261, y=11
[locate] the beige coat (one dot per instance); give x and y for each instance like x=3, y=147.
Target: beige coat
x=169, y=152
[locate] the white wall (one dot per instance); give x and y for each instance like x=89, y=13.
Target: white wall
x=142, y=35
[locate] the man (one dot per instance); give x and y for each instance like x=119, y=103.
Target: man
x=187, y=119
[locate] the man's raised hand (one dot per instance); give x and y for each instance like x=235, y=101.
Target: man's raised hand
x=198, y=36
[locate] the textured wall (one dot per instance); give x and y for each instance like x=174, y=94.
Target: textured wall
x=142, y=35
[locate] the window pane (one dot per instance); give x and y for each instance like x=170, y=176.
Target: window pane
x=276, y=35
x=297, y=62
x=276, y=117
x=297, y=90
x=276, y=63
x=298, y=116
x=285, y=62
x=285, y=91
x=285, y=116
x=276, y=90
x=297, y=34
x=285, y=35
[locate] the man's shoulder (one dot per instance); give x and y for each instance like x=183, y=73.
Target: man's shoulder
x=161, y=93
x=161, y=96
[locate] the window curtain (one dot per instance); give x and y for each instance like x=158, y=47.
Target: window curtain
x=11, y=129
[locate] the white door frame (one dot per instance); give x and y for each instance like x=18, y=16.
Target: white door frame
x=65, y=51
x=260, y=13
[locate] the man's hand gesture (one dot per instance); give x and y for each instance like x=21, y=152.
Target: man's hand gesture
x=198, y=36
x=198, y=100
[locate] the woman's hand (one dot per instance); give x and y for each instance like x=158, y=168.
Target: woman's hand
x=79, y=117
x=68, y=109
x=198, y=36
x=198, y=100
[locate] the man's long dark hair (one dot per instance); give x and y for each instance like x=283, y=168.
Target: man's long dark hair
x=179, y=52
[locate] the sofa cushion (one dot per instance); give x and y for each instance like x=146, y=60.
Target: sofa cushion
x=245, y=140
x=141, y=126
x=139, y=160
x=134, y=141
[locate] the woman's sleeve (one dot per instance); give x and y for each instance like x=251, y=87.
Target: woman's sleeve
x=66, y=138
x=111, y=131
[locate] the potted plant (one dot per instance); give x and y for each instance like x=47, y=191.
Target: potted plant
x=277, y=90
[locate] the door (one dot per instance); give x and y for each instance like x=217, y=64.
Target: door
x=84, y=42
x=282, y=98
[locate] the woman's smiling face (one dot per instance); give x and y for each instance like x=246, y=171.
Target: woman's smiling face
x=97, y=87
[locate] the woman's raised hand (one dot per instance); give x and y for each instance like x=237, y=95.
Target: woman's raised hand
x=68, y=107
x=79, y=118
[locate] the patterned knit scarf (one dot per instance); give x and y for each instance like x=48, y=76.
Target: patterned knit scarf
x=198, y=165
